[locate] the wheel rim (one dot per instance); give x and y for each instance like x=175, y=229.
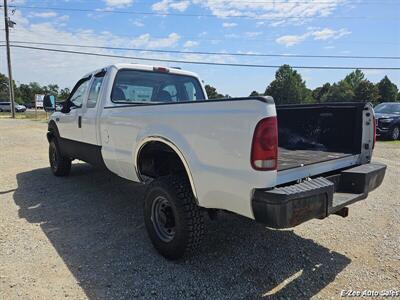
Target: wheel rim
x=396, y=132
x=163, y=219
x=53, y=158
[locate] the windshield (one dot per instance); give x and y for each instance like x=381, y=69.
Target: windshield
x=388, y=108
x=132, y=86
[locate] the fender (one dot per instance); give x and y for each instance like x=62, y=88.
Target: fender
x=169, y=143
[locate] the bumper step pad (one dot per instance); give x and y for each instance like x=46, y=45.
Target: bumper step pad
x=291, y=205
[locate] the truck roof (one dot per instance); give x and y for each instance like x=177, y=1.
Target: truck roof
x=151, y=68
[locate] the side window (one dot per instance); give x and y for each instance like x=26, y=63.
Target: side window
x=77, y=97
x=94, y=92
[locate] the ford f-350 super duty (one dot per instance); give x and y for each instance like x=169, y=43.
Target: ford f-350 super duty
x=280, y=165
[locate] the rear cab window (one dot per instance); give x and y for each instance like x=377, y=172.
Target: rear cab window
x=136, y=86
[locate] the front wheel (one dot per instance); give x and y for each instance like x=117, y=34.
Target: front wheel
x=173, y=220
x=60, y=165
x=395, y=133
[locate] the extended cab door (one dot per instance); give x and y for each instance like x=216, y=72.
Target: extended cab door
x=90, y=110
x=69, y=122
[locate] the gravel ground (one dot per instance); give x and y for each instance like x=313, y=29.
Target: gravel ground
x=83, y=237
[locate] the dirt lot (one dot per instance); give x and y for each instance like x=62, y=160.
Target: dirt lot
x=83, y=237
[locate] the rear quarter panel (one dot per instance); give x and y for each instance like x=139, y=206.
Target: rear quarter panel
x=214, y=138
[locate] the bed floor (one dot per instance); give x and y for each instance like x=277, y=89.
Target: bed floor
x=288, y=159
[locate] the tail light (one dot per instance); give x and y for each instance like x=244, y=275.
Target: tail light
x=264, y=149
x=373, y=145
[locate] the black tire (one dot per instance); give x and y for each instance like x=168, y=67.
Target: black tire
x=173, y=220
x=394, y=133
x=60, y=165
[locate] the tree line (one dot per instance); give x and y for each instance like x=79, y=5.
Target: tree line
x=289, y=87
x=25, y=93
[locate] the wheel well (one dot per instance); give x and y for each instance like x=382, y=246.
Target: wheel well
x=157, y=159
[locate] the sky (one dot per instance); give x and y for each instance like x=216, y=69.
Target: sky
x=309, y=27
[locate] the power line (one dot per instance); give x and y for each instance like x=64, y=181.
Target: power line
x=227, y=38
x=279, y=2
x=202, y=15
x=210, y=53
x=202, y=62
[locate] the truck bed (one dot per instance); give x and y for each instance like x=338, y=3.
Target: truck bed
x=289, y=159
x=317, y=133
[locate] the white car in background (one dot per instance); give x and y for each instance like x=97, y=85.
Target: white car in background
x=6, y=107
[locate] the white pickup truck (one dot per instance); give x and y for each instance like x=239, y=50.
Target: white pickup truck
x=279, y=165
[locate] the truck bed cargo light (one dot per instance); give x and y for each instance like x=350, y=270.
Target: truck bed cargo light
x=161, y=69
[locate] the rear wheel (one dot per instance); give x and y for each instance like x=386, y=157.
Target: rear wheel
x=395, y=133
x=60, y=165
x=173, y=220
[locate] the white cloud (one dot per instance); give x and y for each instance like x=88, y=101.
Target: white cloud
x=165, y=5
x=327, y=33
x=253, y=33
x=65, y=69
x=232, y=36
x=137, y=23
x=291, y=40
x=63, y=18
x=118, y=3
x=190, y=44
x=228, y=25
x=180, y=6
x=260, y=23
x=161, y=6
x=276, y=12
x=46, y=14
x=146, y=41
x=315, y=33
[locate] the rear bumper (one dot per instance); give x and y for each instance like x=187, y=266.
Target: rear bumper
x=289, y=206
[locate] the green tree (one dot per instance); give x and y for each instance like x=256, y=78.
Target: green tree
x=366, y=91
x=319, y=93
x=288, y=87
x=52, y=89
x=63, y=95
x=25, y=94
x=387, y=90
x=355, y=78
x=339, y=92
x=254, y=94
x=4, y=94
x=212, y=92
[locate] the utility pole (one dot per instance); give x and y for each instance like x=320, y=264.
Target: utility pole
x=10, y=84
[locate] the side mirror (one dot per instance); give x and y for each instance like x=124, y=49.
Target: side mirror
x=49, y=103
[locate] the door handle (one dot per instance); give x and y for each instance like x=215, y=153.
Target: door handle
x=57, y=119
x=80, y=122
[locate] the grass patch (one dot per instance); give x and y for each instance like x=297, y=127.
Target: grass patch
x=390, y=142
x=28, y=115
